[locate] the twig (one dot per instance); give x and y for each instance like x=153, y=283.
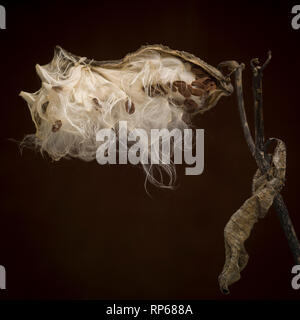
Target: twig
x=258, y=148
x=257, y=94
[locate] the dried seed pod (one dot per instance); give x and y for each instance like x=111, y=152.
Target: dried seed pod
x=116, y=81
x=199, y=67
x=56, y=126
x=129, y=107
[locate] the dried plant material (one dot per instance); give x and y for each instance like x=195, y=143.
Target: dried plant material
x=155, y=90
x=129, y=106
x=264, y=189
x=258, y=151
x=182, y=88
x=139, y=89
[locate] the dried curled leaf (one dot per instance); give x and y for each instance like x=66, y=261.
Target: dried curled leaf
x=237, y=230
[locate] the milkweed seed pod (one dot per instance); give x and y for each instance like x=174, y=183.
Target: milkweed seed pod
x=154, y=87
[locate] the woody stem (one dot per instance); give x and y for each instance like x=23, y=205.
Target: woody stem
x=257, y=148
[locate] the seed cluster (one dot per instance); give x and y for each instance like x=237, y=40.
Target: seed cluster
x=154, y=87
x=179, y=93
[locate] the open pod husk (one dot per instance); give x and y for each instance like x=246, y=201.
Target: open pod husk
x=224, y=86
x=154, y=87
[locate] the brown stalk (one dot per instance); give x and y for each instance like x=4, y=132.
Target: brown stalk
x=257, y=149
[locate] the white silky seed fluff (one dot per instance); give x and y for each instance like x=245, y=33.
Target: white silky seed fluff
x=77, y=99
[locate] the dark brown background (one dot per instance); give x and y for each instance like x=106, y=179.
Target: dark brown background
x=71, y=229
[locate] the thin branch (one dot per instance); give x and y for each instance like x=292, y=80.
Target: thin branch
x=260, y=161
x=257, y=95
x=287, y=225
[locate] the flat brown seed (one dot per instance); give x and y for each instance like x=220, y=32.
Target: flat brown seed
x=200, y=83
x=182, y=88
x=56, y=126
x=129, y=107
x=196, y=91
x=179, y=84
x=184, y=91
x=45, y=106
x=190, y=105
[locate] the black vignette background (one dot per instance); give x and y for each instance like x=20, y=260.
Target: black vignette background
x=76, y=230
